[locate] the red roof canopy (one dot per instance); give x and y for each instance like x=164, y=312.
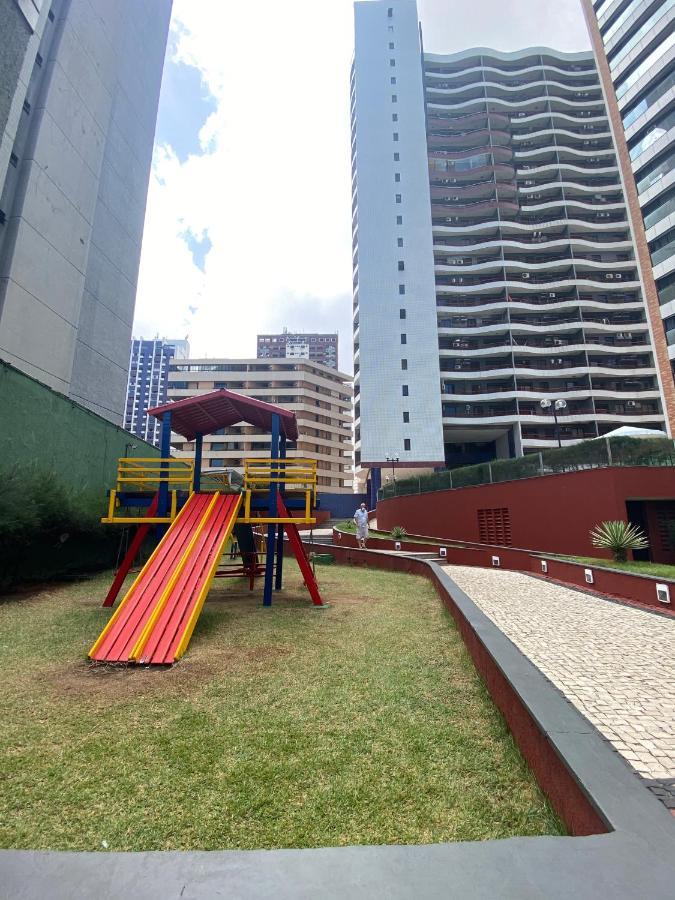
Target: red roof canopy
x=210, y=412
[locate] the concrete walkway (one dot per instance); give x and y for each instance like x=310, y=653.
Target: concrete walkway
x=615, y=663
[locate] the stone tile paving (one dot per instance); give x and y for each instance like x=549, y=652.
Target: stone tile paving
x=615, y=663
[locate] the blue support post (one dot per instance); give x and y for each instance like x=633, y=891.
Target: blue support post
x=165, y=449
x=278, y=581
x=375, y=484
x=272, y=513
x=196, y=480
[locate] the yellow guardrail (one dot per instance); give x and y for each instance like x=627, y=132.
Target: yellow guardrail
x=294, y=475
x=146, y=474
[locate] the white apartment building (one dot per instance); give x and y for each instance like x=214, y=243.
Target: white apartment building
x=320, y=397
x=494, y=266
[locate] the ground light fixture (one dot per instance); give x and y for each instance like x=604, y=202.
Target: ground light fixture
x=556, y=407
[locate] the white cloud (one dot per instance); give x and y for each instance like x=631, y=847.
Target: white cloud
x=272, y=187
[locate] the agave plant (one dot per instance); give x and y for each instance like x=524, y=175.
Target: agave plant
x=398, y=532
x=618, y=537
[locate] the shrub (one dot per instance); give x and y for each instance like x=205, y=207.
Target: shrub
x=398, y=532
x=618, y=537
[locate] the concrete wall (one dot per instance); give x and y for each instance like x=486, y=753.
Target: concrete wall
x=553, y=513
x=69, y=257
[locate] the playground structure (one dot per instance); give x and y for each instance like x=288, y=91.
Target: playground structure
x=203, y=529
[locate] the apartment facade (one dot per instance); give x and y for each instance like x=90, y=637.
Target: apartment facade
x=147, y=383
x=634, y=41
x=320, y=348
x=494, y=265
x=320, y=397
x=81, y=82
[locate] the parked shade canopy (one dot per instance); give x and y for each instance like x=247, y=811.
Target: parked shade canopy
x=210, y=412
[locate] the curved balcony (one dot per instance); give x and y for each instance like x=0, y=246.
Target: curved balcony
x=534, y=282
x=565, y=153
x=553, y=263
x=475, y=140
x=436, y=66
x=448, y=174
x=578, y=244
x=467, y=122
x=470, y=193
x=472, y=104
x=471, y=210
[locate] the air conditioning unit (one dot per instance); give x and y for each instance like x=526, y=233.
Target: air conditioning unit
x=618, y=276
x=552, y=295
x=631, y=404
x=603, y=215
x=458, y=366
x=529, y=182
x=525, y=275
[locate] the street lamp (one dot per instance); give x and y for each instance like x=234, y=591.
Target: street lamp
x=393, y=460
x=555, y=408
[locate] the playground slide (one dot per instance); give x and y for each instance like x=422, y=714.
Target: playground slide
x=156, y=618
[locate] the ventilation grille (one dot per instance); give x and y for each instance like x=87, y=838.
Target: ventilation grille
x=494, y=526
x=665, y=517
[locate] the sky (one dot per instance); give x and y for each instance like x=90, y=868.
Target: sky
x=248, y=220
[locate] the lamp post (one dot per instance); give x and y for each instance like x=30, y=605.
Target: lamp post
x=393, y=460
x=555, y=408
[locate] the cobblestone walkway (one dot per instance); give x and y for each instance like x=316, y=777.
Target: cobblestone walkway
x=615, y=663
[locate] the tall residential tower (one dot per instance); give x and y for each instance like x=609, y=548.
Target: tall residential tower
x=494, y=266
x=80, y=84
x=634, y=42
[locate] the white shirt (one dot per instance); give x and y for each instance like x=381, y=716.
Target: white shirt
x=361, y=516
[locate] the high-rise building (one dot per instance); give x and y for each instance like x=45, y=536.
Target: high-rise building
x=80, y=86
x=634, y=42
x=147, y=383
x=494, y=266
x=320, y=397
x=320, y=348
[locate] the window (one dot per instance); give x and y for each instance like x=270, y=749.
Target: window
x=396, y=136
x=26, y=106
x=390, y=12
x=398, y=198
x=397, y=176
x=401, y=265
x=401, y=289
x=406, y=417
x=391, y=46
x=13, y=160
x=406, y=443
x=397, y=156
x=392, y=62
x=404, y=390
x=38, y=59
x=404, y=338
x=404, y=364
x=394, y=117
x=399, y=242
x=399, y=220
x=394, y=98
x=392, y=80
x=50, y=15
x=401, y=314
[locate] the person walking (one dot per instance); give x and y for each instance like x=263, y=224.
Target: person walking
x=361, y=522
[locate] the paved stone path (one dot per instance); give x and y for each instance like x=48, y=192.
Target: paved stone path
x=615, y=663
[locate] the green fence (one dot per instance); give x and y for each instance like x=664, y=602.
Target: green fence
x=56, y=461
x=594, y=454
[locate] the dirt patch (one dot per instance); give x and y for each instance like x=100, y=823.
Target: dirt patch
x=104, y=684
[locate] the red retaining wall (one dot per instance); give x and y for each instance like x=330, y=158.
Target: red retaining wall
x=638, y=589
x=553, y=776
x=552, y=513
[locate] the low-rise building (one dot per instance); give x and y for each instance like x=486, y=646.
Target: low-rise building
x=321, y=398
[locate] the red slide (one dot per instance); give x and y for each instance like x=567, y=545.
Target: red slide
x=156, y=618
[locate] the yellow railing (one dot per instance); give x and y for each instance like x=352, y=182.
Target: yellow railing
x=144, y=475
x=294, y=475
x=140, y=474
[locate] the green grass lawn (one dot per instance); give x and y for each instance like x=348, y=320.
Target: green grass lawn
x=661, y=570
x=364, y=723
